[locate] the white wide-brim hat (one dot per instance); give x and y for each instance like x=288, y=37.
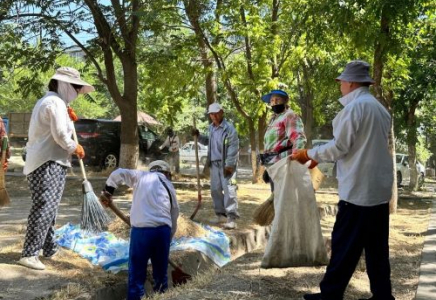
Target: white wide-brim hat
x=71, y=75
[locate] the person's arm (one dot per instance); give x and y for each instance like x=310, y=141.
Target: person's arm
x=233, y=149
x=122, y=177
x=165, y=144
x=2, y=134
x=174, y=213
x=346, y=126
x=295, y=131
x=57, y=115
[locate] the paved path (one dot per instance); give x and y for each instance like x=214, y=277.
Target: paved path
x=427, y=273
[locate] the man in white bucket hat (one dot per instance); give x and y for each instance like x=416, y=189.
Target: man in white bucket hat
x=222, y=157
x=359, y=147
x=49, y=151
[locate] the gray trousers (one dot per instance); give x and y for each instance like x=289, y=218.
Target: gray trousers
x=223, y=191
x=46, y=186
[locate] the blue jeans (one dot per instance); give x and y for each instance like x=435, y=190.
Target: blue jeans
x=148, y=243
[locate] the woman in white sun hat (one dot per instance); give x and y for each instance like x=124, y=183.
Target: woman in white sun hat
x=49, y=151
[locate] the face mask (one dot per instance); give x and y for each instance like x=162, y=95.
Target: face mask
x=66, y=92
x=279, y=108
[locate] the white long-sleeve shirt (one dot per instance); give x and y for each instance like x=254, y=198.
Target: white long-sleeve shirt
x=364, y=166
x=50, y=131
x=151, y=206
x=173, y=143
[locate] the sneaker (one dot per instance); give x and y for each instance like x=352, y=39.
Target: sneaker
x=230, y=225
x=31, y=262
x=219, y=220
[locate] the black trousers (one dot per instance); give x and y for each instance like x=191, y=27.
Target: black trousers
x=359, y=228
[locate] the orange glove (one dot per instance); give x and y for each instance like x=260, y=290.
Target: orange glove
x=79, y=151
x=72, y=114
x=5, y=166
x=301, y=156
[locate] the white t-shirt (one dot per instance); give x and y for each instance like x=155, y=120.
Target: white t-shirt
x=151, y=206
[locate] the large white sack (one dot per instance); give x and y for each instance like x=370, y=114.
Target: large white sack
x=296, y=238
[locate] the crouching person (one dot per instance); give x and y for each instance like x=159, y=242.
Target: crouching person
x=153, y=218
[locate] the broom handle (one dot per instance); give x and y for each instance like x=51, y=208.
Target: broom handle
x=82, y=166
x=126, y=219
x=197, y=162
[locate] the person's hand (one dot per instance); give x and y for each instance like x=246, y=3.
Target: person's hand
x=72, y=114
x=301, y=156
x=79, y=151
x=5, y=166
x=228, y=171
x=195, y=132
x=105, y=198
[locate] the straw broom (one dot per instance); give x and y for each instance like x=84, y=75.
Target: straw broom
x=94, y=217
x=264, y=214
x=4, y=196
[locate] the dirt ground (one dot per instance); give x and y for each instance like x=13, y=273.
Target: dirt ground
x=241, y=279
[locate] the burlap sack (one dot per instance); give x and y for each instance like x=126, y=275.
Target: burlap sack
x=296, y=238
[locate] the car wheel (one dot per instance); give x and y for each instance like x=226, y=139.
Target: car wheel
x=203, y=160
x=110, y=161
x=399, y=178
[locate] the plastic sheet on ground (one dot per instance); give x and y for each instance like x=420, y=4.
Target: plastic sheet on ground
x=112, y=253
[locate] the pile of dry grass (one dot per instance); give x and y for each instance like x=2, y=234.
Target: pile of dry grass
x=185, y=228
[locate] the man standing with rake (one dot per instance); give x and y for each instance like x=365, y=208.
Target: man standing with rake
x=49, y=151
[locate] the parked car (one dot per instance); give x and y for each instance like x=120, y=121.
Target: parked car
x=187, y=153
x=403, y=169
x=101, y=140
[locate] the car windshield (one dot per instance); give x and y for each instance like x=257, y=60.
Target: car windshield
x=85, y=127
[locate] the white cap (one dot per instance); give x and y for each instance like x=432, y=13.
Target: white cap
x=164, y=166
x=71, y=75
x=214, y=108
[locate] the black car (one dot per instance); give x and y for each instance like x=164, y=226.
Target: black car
x=101, y=140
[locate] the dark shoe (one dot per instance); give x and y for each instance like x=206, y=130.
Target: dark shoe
x=374, y=298
x=316, y=296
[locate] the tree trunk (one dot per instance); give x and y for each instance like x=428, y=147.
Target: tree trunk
x=412, y=139
x=379, y=59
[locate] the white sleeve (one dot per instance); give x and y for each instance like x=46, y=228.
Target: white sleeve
x=57, y=115
x=166, y=143
x=123, y=177
x=174, y=213
x=346, y=125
